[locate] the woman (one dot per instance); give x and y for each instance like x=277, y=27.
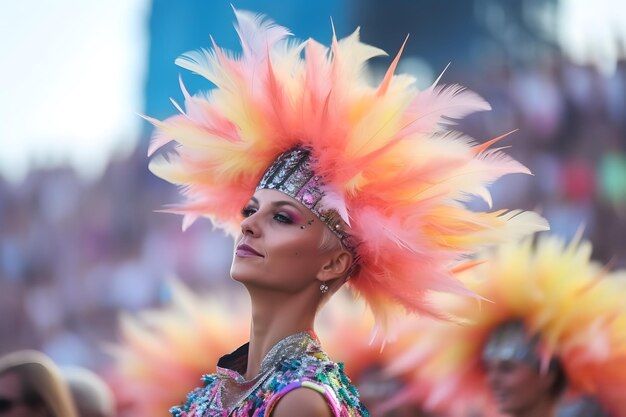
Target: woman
x=324, y=179
x=519, y=385
x=555, y=323
x=31, y=385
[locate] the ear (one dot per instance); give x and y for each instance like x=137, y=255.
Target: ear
x=337, y=266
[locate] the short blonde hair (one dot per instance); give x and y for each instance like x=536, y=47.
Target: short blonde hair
x=329, y=241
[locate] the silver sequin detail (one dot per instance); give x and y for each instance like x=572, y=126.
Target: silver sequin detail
x=234, y=388
x=292, y=173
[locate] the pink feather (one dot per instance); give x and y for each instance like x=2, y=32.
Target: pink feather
x=397, y=171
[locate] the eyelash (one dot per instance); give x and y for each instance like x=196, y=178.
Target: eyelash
x=247, y=211
x=282, y=218
x=279, y=217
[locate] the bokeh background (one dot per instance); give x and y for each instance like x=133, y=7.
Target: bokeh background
x=80, y=238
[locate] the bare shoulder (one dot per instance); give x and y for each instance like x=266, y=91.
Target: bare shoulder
x=302, y=402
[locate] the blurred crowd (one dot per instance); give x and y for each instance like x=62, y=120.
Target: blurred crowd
x=571, y=122
x=74, y=254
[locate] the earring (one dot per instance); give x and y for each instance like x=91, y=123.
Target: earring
x=324, y=288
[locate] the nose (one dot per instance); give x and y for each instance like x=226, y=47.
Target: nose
x=249, y=225
x=493, y=377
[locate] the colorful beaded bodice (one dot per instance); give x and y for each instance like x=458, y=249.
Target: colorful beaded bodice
x=294, y=362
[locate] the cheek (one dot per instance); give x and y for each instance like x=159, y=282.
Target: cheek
x=300, y=252
x=301, y=256
x=513, y=380
x=295, y=250
x=301, y=244
x=528, y=385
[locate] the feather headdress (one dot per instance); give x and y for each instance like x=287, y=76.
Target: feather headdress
x=570, y=303
x=393, y=169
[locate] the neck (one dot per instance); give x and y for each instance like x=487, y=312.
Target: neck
x=544, y=408
x=274, y=317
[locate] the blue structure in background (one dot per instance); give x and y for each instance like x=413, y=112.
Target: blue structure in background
x=441, y=32
x=179, y=26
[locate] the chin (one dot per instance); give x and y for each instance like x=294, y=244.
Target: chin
x=243, y=273
x=507, y=408
x=236, y=274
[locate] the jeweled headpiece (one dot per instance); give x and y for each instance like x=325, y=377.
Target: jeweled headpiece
x=390, y=166
x=511, y=341
x=292, y=174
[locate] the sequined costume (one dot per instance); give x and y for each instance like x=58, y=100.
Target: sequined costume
x=294, y=362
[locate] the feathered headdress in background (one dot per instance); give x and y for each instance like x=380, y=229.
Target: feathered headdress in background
x=163, y=352
x=569, y=307
x=345, y=324
x=380, y=158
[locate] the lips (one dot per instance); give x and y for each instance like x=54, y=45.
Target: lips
x=244, y=250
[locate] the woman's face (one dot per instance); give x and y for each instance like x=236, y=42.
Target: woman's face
x=279, y=245
x=517, y=385
x=11, y=402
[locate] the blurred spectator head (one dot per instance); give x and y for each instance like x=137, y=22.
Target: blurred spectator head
x=92, y=395
x=514, y=373
x=31, y=385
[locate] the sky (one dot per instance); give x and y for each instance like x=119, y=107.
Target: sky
x=73, y=73
x=71, y=82
x=589, y=29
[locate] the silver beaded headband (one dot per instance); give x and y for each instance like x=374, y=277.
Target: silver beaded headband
x=291, y=173
x=510, y=341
